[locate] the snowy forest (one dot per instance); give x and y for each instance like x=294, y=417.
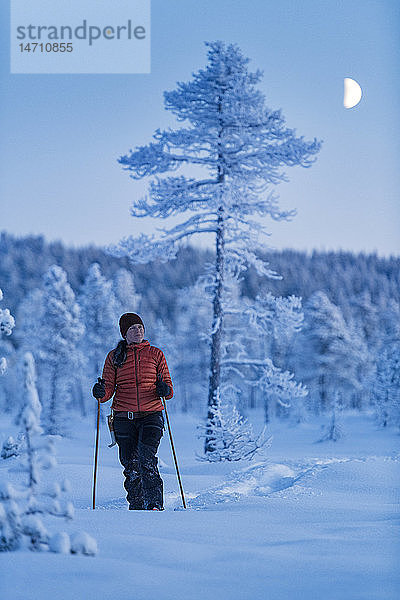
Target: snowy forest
x=337, y=325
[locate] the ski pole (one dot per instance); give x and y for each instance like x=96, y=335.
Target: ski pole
x=95, y=454
x=173, y=452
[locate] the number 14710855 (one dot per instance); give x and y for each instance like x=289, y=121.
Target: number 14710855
x=49, y=47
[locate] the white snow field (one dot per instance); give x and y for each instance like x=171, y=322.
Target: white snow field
x=311, y=520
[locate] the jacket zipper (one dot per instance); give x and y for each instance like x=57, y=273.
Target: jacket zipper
x=137, y=361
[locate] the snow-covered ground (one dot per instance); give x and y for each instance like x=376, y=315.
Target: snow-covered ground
x=311, y=520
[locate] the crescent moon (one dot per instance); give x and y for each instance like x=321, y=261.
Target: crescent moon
x=352, y=93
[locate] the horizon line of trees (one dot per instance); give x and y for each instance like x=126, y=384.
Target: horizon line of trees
x=344, y=356
x=341, y=275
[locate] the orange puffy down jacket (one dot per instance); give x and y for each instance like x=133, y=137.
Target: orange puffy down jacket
x=134, y=384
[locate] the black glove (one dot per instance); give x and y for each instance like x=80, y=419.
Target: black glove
x=99, y=388
x=162, y=388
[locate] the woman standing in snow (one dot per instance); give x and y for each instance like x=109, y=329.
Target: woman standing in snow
x=138, y=375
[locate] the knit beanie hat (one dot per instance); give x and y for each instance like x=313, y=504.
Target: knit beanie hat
x=127, y=320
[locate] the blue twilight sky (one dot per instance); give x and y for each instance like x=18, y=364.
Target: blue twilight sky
x=61, y=135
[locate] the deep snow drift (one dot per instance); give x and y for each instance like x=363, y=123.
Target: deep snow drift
x=308, y=520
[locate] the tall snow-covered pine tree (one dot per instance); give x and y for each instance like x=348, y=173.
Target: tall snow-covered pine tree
x=240, y=146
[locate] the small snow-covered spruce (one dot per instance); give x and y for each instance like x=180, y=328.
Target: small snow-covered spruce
x=242, y=146
x=10, y=518
x=7, y=323
x=386, y=385
x=24, y=507
x=11, y=447
x=231, y=435
x=334, y=431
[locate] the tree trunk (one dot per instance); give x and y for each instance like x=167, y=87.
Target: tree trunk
x=81, y=399
x=252, y=397
x=30, y=459
x=215, y=364
x=323, y=393
x=185, y=406
x=266, y=409
x=52, y=418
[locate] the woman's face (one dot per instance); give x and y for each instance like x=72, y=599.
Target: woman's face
x=135, y=334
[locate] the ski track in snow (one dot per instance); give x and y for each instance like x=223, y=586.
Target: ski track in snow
x=259, y=479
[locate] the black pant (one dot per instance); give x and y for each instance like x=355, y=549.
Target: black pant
x=138, y=440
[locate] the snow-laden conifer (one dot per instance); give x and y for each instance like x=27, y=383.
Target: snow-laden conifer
x=386, y=385
x=389, y=322
x=56, y=347
x=29, y=320
x=240, y=147
x=249, y=326
x=7, y=323
x=334, y=431
x=229, y=434
x=246, y=365
x=25, y=506
x=327, y=356
x=29, y=316
x=126, y=297
x=367, y=316
x=276, y=320
x=191, y=339
x=100, y=316
x=11, y=446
